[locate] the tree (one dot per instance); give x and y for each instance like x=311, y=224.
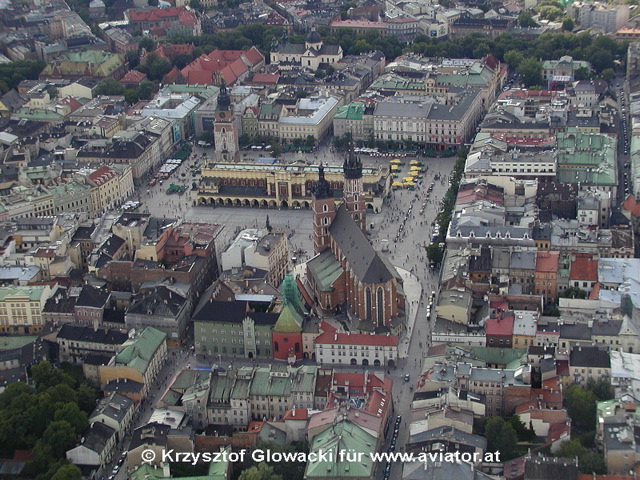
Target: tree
x=59, y=436
x=52, y=91
x=530, y=71
x=525, y=20
x=45, y=375
x=568, y=25
x=131, y=96
x=262, y=471
x=71, y=413
x=110, y=86
x=87, y=396
x=574, y=292
x=67, y=472
x=549, y=12
x=147, y=43
x=581, y=406
x=601, y=388
x=501, y=437
x=513, y=58
x=582, y=73
x=588, y=461
x=196, y=5
x=435, y=253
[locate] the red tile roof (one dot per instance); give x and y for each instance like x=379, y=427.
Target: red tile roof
x=356, y=383
x=265, y=78
x=547, y=262
x=133, y=76
x=297, y=414
x=584, y=267
x=102, y=175
x=71, y=102
x=499, y=326
x=229, y=64
x=357, y=339
x=632, y=205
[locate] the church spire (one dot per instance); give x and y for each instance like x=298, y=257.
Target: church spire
x=224, y=100
x=322, y=189
x=352, y=166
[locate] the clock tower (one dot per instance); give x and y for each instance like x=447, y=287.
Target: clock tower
x=225, y=131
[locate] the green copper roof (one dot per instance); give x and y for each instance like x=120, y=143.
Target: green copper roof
x=344, y=436
x=138, y=352
x=353, y=111
x=217, y=471
x=289, y=320
x=326, y=269
x=290, y=292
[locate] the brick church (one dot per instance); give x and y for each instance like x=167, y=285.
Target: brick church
x=347, y=275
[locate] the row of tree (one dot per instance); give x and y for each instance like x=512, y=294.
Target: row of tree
x=47, y=419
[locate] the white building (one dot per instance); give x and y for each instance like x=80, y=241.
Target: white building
x=96, y=447
x=599, y=16
x=356, y=349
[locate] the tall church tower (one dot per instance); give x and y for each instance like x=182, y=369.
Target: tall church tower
x=353, y=190
x=225, y=131
x=324, y=211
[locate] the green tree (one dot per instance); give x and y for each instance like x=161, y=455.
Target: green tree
x=196, y=5
x=501, y=437
x=588, y=461
x=52, y=91
x=574, y=292
x=581, y=406
x=67, y=472
x=145, y=90
x=568, y=25
x=525, y=20
x=530, y=71
x=45, y=375
x=548, y=12
x=71, y=413
x=59, y=436
x=147, y=43
x=582, y=73
x=110, y=86
x=131, y=96
x=525, y=433
x=435, y=253
x=513, y=58
x=262, y=471
x=86, y=397
x=601, y=388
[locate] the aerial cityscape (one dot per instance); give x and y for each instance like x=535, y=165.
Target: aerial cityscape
x=319, y=240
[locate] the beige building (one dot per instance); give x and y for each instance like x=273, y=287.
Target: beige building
x=308, y=56
x=454, y=305
x=309, y=117
x=280, y=185
x=140, y=361
x=21, y=308
x=587, y=363
x=412, y=118
x=110, y=186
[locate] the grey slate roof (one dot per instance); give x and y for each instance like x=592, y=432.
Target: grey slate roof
x=92, y=297
x=367, y=264
x=449, y=433
x=589, y=357
x=98, y=436
x=81, y=333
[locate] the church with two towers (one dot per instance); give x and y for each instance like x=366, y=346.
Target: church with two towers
x=347, y=275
